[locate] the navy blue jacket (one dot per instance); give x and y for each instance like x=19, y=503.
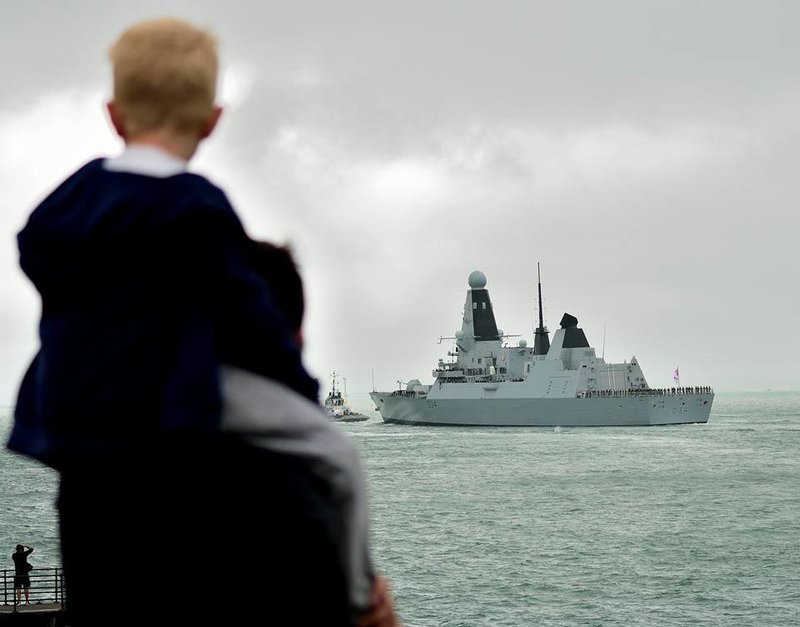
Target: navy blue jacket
x=146, y=288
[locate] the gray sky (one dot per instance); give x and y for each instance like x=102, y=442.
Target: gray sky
x=645, y=153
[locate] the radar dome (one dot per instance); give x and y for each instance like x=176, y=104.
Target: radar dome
x=477, y=280
x=459, y=334
x=523, y=343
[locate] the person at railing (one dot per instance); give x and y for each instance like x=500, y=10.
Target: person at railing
x=22, y=569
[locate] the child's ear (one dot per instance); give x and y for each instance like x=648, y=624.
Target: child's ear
x=211, y=123
x=116, y=118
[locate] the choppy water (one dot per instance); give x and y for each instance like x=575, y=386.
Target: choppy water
x=683, y=525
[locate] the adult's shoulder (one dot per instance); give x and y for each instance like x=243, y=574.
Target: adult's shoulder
x=127, y=202
x=180, y=190
x=200, y=186
x=74, y=180
x=197, y=194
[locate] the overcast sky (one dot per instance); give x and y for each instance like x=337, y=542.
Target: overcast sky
x=646, y=154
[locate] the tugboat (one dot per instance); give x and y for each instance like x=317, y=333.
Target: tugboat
x=337, y=407
x=487, y=382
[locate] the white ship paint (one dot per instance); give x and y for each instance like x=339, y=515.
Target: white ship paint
x=486, y=382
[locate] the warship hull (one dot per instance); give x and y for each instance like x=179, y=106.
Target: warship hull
x=627, y=411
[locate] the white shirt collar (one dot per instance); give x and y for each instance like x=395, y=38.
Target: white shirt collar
x=147, y=160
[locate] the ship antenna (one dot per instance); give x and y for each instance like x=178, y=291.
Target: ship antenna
x=603, y=355
x=541, y=341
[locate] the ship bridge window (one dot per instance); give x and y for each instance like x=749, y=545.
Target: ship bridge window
x=484, y=306
x=474, y=305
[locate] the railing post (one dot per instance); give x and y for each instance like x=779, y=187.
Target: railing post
x=60, y=572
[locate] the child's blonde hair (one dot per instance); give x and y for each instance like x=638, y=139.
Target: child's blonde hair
x=165, y=75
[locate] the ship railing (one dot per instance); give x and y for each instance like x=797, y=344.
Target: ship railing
x=409, y=393
x=47, y=587
x=471, y=377
x=448, y=373
x=448, y=365
x=676, y=391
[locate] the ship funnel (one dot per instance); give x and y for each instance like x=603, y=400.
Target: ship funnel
x=568, y=321
x=573, y=335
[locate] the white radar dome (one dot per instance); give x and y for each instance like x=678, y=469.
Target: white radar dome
x=523, y=343
x=477, y=280
x=459, y=334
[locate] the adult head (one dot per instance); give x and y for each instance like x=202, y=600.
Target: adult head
x=276, y=264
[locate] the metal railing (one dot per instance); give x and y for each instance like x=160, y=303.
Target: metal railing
x=47, y=586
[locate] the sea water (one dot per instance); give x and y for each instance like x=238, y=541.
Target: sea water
x=615, y=526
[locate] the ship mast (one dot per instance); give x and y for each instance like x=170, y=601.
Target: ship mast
x=541, y=339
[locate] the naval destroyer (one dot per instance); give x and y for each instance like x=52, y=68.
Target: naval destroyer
x=485, y=382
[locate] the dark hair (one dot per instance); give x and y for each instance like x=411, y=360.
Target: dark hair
x=276, y=265
x=20, y=547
